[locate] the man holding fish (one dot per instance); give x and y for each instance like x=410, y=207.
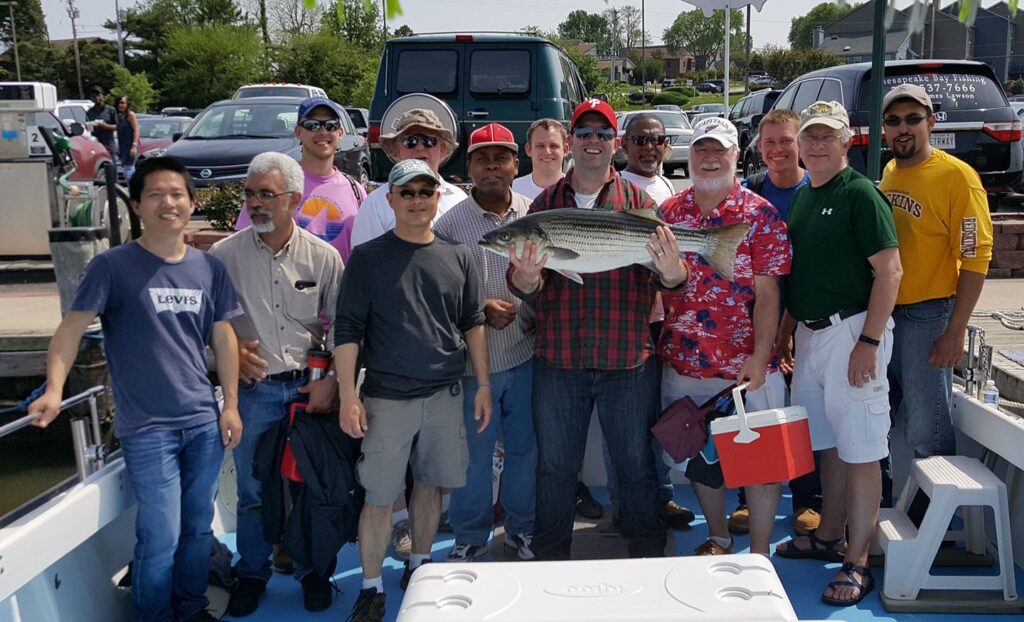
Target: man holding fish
x=593, y=343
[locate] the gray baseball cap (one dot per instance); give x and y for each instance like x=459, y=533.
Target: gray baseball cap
x=408, y=170
x=913, y=92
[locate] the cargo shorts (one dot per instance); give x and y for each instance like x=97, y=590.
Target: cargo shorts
x=427, y=433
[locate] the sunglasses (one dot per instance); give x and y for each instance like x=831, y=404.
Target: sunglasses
x=314, y=125
x=428, y=142
x=910, y=119
x=640, y=141
x=423, y=193
x=584, y=133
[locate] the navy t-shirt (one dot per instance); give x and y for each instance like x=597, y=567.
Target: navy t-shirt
x=157, y=318
x=782, y=197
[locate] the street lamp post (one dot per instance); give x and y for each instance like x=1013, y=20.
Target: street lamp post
x=14, y=36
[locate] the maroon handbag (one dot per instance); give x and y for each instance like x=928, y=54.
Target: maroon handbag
x=682, y=429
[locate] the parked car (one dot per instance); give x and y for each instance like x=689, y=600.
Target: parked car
x=667, y=82
x=712, y=86
x=718, y=109
x=360, y=118
x=73, y=110
x=88, y=154
x=743, y=112
x=677, y=128
x=672, y=107
x=157, y=133
x=974, y=121
x=218, y=146
x=279, y=90
x=761, y=80
x=506, y=78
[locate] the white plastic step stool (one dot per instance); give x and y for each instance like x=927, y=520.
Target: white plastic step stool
x=950, y=482
x=682, y=589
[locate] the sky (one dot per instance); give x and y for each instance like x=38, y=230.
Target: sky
x=771, y=25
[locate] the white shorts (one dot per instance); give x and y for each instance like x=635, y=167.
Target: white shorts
x=675, y=386
x=854, y=420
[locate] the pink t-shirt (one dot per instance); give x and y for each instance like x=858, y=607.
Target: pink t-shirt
x=327, y=210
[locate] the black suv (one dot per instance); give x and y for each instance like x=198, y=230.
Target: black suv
x=974, y=121
x=743, y=112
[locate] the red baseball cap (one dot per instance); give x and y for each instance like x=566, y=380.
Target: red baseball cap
x=599, y=106
x=492, y=135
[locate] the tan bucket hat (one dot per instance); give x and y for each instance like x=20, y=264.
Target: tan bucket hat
x=422, y=118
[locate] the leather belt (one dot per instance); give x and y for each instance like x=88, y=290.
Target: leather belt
x=833, y=319
x=287, y=376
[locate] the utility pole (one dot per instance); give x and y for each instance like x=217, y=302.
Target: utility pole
x=384, y=16
x=643, y=49
x=14, y=36
x=120, y=36
x=746, y=60
x=73, y=14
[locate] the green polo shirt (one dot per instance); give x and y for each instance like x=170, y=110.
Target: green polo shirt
x=834, y=229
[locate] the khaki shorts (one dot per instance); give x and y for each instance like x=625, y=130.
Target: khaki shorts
x=428, y=433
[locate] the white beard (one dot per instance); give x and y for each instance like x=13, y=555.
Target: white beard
x=267, y=227
x=707, y=182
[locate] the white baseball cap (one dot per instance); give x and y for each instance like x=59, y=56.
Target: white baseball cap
x=717, y=128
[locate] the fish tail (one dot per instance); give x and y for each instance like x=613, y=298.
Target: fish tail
x=720, y=250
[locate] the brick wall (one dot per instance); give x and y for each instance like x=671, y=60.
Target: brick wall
x=1008, y=247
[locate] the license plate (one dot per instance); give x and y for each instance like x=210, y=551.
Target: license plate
x=943, y=141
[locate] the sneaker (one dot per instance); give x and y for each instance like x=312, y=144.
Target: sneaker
x=369, y=606
x=407, y=575
x=805, y=520
x=739, y=520
x=466, y=552
x=520, y=543
x=586, y=505
x=401, y=539
x=281, y=562
x=245, y=598
x=675, y=515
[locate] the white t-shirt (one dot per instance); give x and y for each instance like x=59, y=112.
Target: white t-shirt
x=657, y=187
x=375, y=216
x=525, y=186
x=586, y=201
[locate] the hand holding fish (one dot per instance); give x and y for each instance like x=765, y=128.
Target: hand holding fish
x=664, y=251
x=526, y=267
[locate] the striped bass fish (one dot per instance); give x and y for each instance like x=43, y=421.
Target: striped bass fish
x=583, y=241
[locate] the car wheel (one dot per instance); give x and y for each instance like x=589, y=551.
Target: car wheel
x=749, y=170
x=669, y=170
x=364, y=176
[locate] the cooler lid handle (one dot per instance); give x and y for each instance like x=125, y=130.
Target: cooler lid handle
x=745, y=435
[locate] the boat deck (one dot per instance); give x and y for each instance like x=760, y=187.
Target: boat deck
x=804, y=580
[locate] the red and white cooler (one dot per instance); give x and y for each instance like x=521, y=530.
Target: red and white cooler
x=765, y=446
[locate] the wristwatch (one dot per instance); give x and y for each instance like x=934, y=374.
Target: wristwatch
x=869, y=340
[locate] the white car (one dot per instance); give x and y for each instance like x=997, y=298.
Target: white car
x=279, y=89
x=677, y=128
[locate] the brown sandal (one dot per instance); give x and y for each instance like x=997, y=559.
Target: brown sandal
x=825, y=550
x=865, y=585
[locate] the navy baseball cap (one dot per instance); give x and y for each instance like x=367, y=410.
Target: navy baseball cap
x=308, y=105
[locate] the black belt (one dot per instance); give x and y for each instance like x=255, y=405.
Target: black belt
x=833, y=319
x=287, y=376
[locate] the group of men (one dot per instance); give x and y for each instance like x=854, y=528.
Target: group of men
x=460, y=346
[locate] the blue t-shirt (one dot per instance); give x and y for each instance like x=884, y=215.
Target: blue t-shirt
x=157, y=318
x=782, y=197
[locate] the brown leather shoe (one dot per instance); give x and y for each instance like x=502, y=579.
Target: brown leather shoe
x=281, y=562
x=712, y=548
x=739, y=521
x=805, y=520
x=675, y=515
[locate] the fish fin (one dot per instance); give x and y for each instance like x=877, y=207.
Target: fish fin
x=572, y=276
x=646, y=214
x=720, y=250
x=562, y=254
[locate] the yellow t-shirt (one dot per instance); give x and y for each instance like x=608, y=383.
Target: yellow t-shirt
x=943, y=224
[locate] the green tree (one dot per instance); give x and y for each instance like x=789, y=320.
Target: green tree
x=704, y=37
x=141, y=94
x=208, y=63
x=356, y=21
x=802, y=28
x=402, y=31
x=624, y=27
x=99, y=58
x=587, y=66
x=587, y=27
x=34, y=54
x=784, y=65
x=325, y=60
x=652, y=68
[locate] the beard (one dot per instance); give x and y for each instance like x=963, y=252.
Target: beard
x=906, y=151
x=266, y=227
x=713, y=181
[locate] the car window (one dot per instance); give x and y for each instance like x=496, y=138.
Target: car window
x=47, y=120
x=427, y=71
x=949, y=91
x=569, y=88
x=499, y=72
x=75, y=113
x=265, y=120
x=807, y=94
x=158, y=128
x=271, y=90
x=356, y=117
x=785, y=101
x=831, y=91
x=737, y=108
x=673, y=120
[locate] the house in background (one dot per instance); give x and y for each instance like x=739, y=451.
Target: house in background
x=851, y=37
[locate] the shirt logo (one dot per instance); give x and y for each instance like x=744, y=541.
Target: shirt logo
x=176, y=300
x=906, y=203
x=826, y=211
x=969, y=238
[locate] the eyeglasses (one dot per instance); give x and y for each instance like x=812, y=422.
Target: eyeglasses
x=428, y=142
x=314, y=125
x=262, y=196
x=423, y=193
x=825, y=139
x=640, y=141
x=910, y=119
x=585, y=132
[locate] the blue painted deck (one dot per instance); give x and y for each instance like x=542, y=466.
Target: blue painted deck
x=804, y=580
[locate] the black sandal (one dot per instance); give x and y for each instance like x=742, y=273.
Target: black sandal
x=825, y=550
x=865, y=585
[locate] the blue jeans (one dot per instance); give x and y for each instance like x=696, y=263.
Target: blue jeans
x=919, y=393
x=261, y=406
x=174, y=474
x=665, y=490
x=471, y=510
x=627, y=404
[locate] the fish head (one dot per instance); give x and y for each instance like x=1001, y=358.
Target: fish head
x=515, y=233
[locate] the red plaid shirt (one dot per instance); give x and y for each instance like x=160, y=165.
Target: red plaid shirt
x=602, y=324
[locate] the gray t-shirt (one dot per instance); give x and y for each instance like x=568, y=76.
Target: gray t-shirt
x=409, y=304
x=157, y=318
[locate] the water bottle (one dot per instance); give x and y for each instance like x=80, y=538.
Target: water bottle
x=991, y=394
